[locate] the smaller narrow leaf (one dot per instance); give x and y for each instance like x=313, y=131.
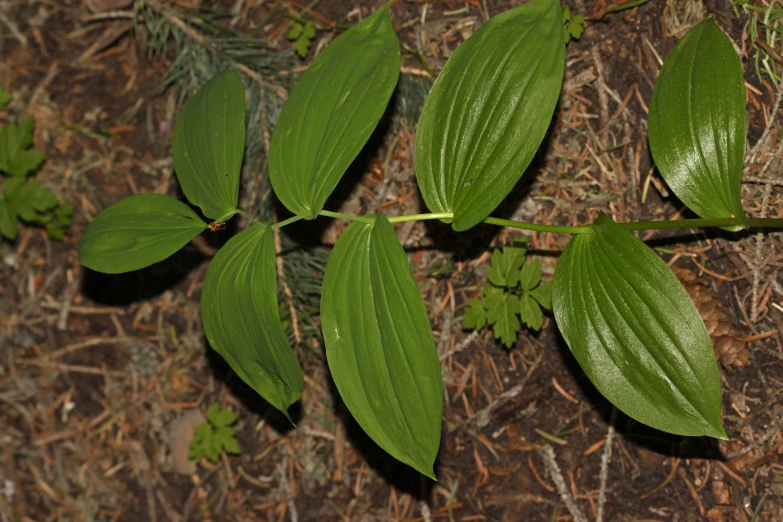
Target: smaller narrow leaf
x=475, y=315
x=697, y=123
x=241, y=319
x=531, y=274
x=332, y=111
x=9, y=228
x=636, y=333
x=543, y=294
x=208, y=144
x=379, y=344
x=137, y=232
x=502, y=315
x=530, y=312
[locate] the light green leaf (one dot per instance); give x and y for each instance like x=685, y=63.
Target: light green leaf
x=543, y=294
x=530, y=274
x=332, y=112
x=239, y=310
x=379, y=344
x=30, y=199
x=208, y=144
x=475, y=315
x=296, y=31
x=219, y=417
x=137, y=232
x=502, y=315
x=530, y=312
x=489, y=110
x=636, y=333
x=492, y=295
x=697, y=123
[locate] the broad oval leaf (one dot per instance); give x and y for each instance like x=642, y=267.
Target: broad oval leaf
x=636, y=333
x=697, y=123
x=239, y=310
x=332, y=112
x=379, y=344
x=137, y=232
x=489, y=110
x=209, y=141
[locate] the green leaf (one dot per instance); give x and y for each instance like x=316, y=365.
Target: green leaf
x=332, y=112
x=504, y=270
x=15, y=157
x=309, y=30
x=137, y=232
x=502, y=315
x=296, y=31
x=530, y=312
x=60, y=219
x=219, y=417
x=5, y=97
x=208, y=144
x=379, y=344
x=30, y=199
x=475, y=315
x=697, y=123
x=492, y=295
x=489, y=110
x=574, y=24
x=530, y=274
x=241, y=318
x=543, y=294
x=9, y=228
x=636, y=333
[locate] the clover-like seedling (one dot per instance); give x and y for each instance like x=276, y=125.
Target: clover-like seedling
x=514, y=288
x=215, y=436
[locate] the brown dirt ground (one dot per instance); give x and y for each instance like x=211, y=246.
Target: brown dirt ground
x=94, y=368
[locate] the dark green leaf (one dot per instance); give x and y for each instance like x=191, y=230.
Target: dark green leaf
x=9, y=228
x=5, y=97
x=379, y=344
x=502, y=315
x=636, y=333
x=504, y=270
x=530, y=274
x=241, y=319
x=543, y=294
x=30, y=199
x=15, y=157
x=475, y=315
x=697, y=123
x=331, y=113
x=489, y=110
x=209, y=141
x=137, y=232
x=530, y=312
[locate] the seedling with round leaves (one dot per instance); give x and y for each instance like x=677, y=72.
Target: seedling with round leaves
x=626, y=318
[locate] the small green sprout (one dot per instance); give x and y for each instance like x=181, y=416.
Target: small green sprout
x=214, y=436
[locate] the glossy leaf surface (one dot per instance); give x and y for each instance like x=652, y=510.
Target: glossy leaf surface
x=239, y=310
x=379, y=344
x=636, y=333
x=137, y=232
x=489, y=110
x=697, y=123
x=209, y=141
x=332, y=112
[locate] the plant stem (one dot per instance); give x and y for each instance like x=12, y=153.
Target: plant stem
x=253, y=221
x=228, y=215
x=421, y=217
x=539, y=227
x=360, y=219
x=570, y=229
x=285, y=222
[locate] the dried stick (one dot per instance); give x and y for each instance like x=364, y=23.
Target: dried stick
x=548, y=455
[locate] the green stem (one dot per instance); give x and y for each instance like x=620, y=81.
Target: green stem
x=285, y=222
x=227, y=216
x=253, y=221
x=539, y=227
x=360, y=219
x=421, y=217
